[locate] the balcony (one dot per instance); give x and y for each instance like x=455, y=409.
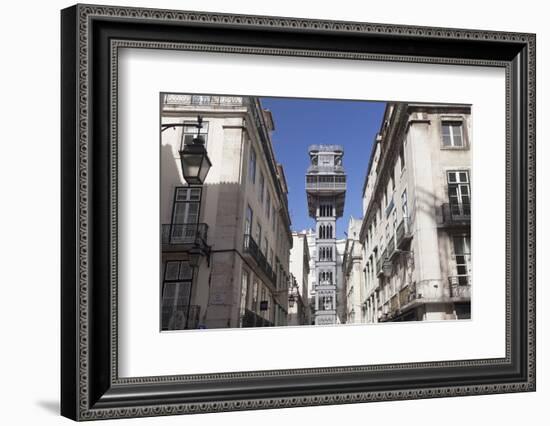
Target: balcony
x=403, y=233
x=180, y=317
x=252, y=319
x=326, y=183
x=394, y=304
x=405, y=295
x=460, y=286
x=391, y=248
x=184, y=236
x=456, y=214
x=315, y=168
x=252, y=248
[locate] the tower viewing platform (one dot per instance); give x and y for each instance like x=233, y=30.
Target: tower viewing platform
x=325, y=177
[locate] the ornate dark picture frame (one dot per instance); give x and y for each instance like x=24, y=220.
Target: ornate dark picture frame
x=91, y=388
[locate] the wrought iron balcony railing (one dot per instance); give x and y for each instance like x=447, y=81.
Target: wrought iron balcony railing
x=394, y=303
x=403, y=233
x=425, y=289
x=180, y=317
x=252, y=248
x=185, y=233
x=460, y=286
x=405, y=295
x=316, y=168
x=320, y=182
x=456, y=213
x=252, y=319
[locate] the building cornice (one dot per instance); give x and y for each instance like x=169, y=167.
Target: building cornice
x=396, y=126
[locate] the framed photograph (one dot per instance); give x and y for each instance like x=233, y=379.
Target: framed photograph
x=264, y=212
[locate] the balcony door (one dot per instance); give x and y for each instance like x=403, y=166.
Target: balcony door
x=185, y=214
x=462, y=256
x=459, y=193
x=177, y=313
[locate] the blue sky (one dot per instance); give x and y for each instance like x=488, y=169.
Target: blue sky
x=303, y=122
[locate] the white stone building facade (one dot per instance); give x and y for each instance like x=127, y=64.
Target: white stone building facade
x=238, y=219
x=415, y=232
x=353, y=277
x=299, y=309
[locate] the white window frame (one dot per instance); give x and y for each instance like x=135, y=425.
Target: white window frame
x=451, y=123
x=261, y=187
x=252, y=165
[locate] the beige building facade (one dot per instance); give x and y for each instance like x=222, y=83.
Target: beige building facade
x=299, y=309
x=353, y=277
x=225, y=244
x=415, y=233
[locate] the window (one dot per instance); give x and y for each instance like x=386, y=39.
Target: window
x=259, y=234
x=176, y=295
x=452, y=134
x=325, y=210
x=273, y=218
x=461, y=245
x=325, y=276
x=402, y=156
x=326, y=302
x=244, y=293
x=325, y=254
x=185, y=214
x=248, y=220
x=263, y=299
x=404, y=206
x=252, y=166
x=459, y=192
x=266, y=245
x=254, y=306
x=371, y=232
x=190, y=131
x=186, y=205
x=268, y=205
x=325, y=231
x=261, y=188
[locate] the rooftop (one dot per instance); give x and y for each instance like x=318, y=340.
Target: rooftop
x=326, y=148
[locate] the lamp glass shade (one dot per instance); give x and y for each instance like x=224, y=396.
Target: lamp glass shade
x=195, y=163
x=194, y=258
x=291, y=300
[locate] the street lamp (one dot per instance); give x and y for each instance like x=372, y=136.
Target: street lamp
x=291, y=300
x=387, y=268
x=194, y=257
x=195, y=163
